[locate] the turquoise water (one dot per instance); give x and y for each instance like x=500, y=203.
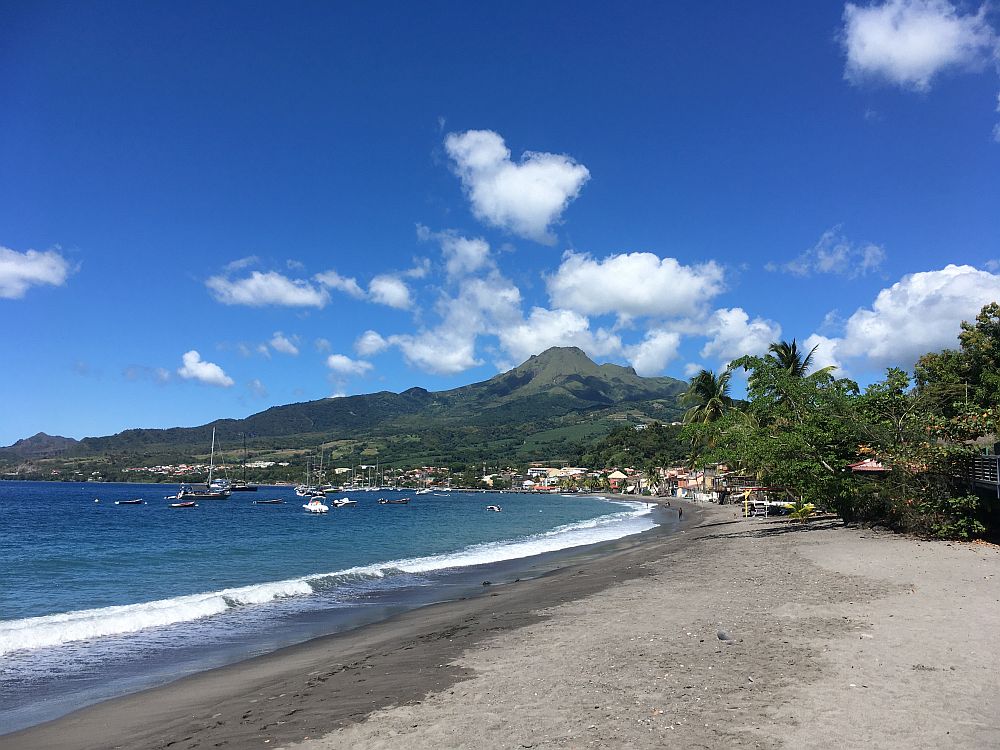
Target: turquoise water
x=95, y=595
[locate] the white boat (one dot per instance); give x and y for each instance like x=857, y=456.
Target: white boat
x=424, y=491
x=214, y=490
x=316, y=506
x=343, y=502
x=494, y=508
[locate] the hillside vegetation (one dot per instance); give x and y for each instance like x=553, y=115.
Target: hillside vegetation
x=541, y=410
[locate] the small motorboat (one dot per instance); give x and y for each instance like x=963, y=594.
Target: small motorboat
x=343, y=502
x=316, y=506
x=275, y=501
x=494, y=508
x=393, y=501
x=424, y=491
x=186, y=504
x=137, y=501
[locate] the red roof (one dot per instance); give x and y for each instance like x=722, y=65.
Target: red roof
x=869, y=464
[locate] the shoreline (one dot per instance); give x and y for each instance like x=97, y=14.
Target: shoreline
x=728, y=633
x=464, y=585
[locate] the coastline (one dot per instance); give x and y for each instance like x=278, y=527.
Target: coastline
x=832, y=633
x=464, y=583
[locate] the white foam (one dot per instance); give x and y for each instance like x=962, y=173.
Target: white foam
x=52, y=630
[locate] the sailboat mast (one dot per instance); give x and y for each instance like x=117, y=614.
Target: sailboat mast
x=211, y=460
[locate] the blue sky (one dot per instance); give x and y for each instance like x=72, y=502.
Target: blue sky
x=206, y=210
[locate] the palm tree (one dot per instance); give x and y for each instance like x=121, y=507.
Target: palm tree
x=789, y=357
x=708, y=395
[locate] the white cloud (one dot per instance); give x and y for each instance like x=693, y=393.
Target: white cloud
x=240, y=263
x=21, y=271
x=281, y=343
x=524, y=198
x=546, y=328
x=693, y=368
x=920, y=313
x=652, y=355
x=195, y=368
x=462, y=255
x=735, y=335
x=992, y=265
x=835, y=254
x=421, y=267
x=908, y=42
x=257, y=388
x=633, y=284
x=438, y=351
x=482, y=305
x=333, y=280
x=344, y=365
x=369, y=343
x=825, y=354
x=262, y=289
x=390, y=290
x=322, y=345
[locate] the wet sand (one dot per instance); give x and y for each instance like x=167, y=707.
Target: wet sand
x=729, y=633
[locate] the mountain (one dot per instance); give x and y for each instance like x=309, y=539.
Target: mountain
x=40, y=446
x=538, y=409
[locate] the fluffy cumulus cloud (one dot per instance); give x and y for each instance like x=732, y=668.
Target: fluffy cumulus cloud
x=195, y=368
x=908, y=42
x=369, y=343
x=439, y=351
x=262, y=289
x=633, y=284
x=920, y=313
x=524, y=198
x=333, y=280
x=462, y=256
x=732, y=334
x=835, y=254
x=21, y=271
x=546, y=328
x=825, y=354
x=652, y=355
x=390, y=290
x=482, y=305
x=281, y=343
x=344, y=365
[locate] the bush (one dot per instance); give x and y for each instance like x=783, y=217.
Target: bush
x=949, y=517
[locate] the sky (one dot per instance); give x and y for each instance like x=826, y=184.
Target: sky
x=207, y=209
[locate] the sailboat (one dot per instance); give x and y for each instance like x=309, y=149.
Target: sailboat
x=241, y=485
x=212, y=491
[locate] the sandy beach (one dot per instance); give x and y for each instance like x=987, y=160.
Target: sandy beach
x=726, y=633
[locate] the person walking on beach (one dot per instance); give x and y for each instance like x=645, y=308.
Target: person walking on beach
x=680, y=513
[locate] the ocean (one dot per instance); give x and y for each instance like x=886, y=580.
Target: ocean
x=98, y=600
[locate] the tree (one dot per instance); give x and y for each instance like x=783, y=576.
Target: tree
x=789, y=357
x=708, y=397
x=969, y=376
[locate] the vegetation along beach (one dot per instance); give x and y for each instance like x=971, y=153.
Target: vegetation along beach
x=450, y=375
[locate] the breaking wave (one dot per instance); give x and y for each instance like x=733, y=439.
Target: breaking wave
x=53, y=630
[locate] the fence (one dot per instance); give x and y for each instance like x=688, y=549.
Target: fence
x=986, y=470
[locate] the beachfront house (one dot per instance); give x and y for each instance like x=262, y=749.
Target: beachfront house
x=615, y=479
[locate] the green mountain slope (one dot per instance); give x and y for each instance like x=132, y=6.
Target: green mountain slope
x=537, y=410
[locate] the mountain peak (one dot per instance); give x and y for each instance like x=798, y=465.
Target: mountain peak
x=564, y=359
x=41, y=444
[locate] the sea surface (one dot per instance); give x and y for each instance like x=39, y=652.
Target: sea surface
x=98, y=600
